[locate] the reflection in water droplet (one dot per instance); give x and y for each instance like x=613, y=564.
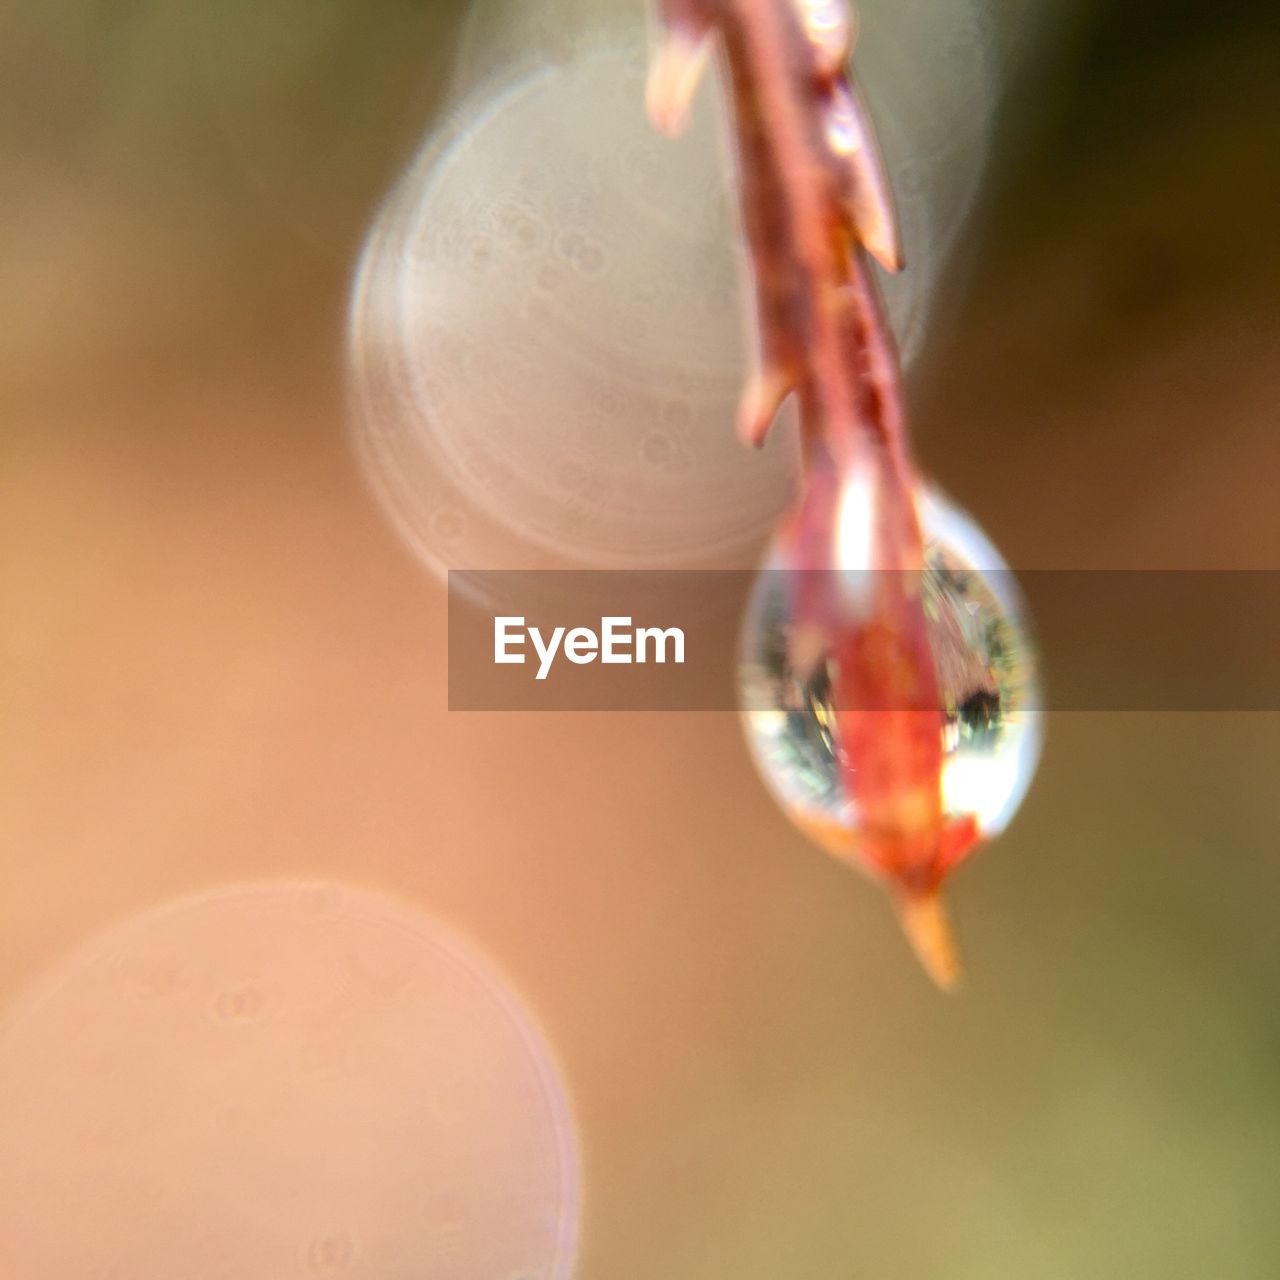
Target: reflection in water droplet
x=397, y=1072
x=986, y=674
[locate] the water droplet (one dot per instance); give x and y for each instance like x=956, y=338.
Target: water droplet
x=985, y=665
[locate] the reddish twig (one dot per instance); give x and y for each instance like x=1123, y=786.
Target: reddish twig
x=815, y=205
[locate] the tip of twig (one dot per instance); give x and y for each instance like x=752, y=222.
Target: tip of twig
x=927, y=925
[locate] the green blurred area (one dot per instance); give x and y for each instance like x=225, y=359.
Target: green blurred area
x=765, y=1088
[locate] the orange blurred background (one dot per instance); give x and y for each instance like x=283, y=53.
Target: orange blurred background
x=221, y=666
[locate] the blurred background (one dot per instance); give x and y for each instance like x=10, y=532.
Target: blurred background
x=224, y=671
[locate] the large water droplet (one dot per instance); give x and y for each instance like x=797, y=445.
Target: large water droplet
x=985, y=667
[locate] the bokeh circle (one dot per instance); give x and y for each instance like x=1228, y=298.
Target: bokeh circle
x=546, y=339
x=286, y=1080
